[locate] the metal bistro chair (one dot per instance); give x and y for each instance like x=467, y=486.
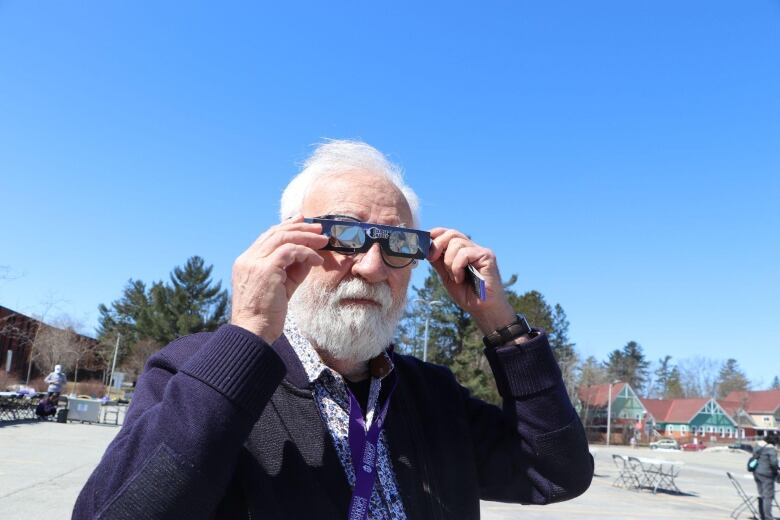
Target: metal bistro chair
x=666, y=480
x=747, y=500
x=15, y=408
x=625, y=477
x=6, y=409
x=646, y=476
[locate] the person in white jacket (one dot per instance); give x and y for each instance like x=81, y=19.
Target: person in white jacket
x=56, y=381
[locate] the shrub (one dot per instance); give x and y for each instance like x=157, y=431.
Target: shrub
x=39, y=384
x=7, y=380
x=90, y=387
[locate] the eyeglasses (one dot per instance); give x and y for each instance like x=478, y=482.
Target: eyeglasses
x=400, y=247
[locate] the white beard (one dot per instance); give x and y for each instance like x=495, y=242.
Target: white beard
x=349, y=332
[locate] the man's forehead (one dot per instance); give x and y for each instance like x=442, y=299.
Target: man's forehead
x=366, y=216
x=365, y=197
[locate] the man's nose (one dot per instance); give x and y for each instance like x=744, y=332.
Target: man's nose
x=370, y=265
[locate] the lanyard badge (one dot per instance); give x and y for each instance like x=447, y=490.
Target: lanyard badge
x=363, y=445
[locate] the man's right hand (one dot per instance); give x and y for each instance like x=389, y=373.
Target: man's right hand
x=267, y=274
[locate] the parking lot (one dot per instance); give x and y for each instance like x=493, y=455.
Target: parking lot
x=44, y=465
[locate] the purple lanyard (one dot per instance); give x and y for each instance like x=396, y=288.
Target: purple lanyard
x=363, y=446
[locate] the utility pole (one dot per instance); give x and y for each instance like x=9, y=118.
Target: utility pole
x=113, y=363
x=32, y=346
x=427, y=320
x=609, y=410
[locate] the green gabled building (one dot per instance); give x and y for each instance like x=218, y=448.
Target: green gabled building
x=688, y=418
x=626, y=409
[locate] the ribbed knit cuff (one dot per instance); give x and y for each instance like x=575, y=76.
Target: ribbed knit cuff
x=238, y=364
x=525, y=369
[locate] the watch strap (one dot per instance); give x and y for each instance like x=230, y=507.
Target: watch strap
x=504, y=335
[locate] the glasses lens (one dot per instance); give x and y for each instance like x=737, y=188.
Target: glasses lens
x=396, y=261
x=343, y=235
x=404, y=243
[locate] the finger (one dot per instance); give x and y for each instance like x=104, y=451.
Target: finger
x=287, y=226
x=455, y=245
x=303, y=238
x=464, y=257
x=444, y=275
x=437, y=231
x=440, y=243
x=287, y=254
x=296, y=274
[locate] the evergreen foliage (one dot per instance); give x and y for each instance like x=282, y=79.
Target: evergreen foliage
x=455, y=341
x=775, y=383
x=731, y=378
x=191, y=302
x=668, y=381
x=662, y=375
x=629, y=365
x=674, y=387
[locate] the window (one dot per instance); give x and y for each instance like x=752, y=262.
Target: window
x=767, y=420
x=9, y=356
x=684, y=428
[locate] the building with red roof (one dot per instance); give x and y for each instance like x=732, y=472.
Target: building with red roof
x=763, y=407
x=689, y=418
x=17, y=335
x=626, y=411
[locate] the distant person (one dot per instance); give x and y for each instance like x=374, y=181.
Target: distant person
x=765, y=474
x=46, y=407
x=56, y=381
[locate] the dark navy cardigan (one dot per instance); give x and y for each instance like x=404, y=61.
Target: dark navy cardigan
x=223, y=425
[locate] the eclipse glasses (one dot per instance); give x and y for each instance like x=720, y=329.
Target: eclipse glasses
x=399, y=246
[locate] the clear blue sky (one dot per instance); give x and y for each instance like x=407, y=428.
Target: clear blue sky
x=623, y=158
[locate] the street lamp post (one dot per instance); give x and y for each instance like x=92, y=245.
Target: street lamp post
x=609, y=409
x=430, y=303
x=113, y=363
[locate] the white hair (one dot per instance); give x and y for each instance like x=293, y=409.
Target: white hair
x=337, y=156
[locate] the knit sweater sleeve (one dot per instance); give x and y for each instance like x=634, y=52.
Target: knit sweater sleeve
x=534, y=450
x=192, y=410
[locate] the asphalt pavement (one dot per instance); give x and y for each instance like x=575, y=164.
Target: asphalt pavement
x=44, y=465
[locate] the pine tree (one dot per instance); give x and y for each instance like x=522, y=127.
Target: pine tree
x=536, y=310
x=775, y=383
x=674, y=388
x=190, y=303
x=562, y=347
x=455, y=341
x=731, y=378
x=662, y=375
x=629, y=365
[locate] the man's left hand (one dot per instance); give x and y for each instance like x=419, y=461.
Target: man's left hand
x=451, y=253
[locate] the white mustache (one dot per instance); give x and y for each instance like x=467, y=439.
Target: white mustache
x=358, y=289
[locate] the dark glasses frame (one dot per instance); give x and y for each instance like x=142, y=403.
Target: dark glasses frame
x=373, y=233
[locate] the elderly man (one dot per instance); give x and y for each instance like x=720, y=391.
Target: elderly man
x=300, y=408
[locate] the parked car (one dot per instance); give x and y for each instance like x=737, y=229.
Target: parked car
x=743, y=446
x=693, y=446
x=664, y=444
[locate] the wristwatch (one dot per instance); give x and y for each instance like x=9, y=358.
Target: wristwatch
x=504, y=335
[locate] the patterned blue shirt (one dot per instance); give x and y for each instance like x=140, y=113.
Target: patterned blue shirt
x=330, y=394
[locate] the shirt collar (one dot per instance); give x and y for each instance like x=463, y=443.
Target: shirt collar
x=379, y=367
